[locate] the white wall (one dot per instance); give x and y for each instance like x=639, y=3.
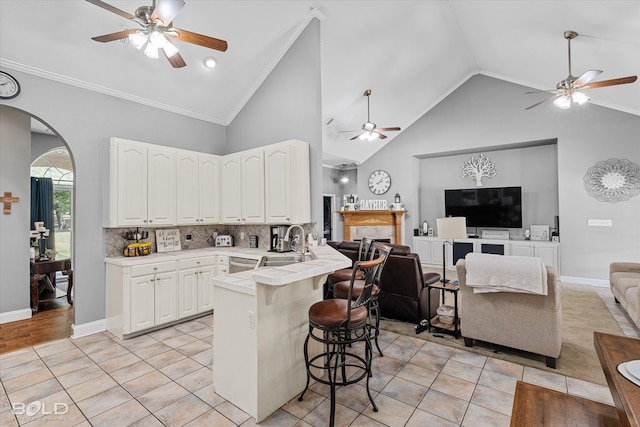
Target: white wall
x=486, y=113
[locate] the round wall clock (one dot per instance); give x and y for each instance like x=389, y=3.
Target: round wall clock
x=379, y=182
x=9, y=86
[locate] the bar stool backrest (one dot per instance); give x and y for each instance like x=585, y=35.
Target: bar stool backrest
x=365, y=249
x=385, y=250
x=370, y=269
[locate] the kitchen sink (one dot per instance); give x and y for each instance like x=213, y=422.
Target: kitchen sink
x=279, y=260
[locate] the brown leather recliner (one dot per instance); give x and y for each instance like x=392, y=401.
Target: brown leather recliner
x=403, y=293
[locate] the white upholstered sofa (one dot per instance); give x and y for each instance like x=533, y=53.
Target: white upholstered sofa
x=523, y=321
x=625, y=287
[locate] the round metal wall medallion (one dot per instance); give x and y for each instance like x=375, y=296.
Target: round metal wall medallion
x=613, y=180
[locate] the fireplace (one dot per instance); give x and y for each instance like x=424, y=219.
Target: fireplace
x=375, y=224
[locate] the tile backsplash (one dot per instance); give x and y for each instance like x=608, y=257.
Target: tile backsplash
x=201, y=236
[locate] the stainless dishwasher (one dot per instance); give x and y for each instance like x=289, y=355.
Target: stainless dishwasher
x=238, y=264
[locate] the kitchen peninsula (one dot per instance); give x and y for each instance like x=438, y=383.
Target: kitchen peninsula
x=261, y=322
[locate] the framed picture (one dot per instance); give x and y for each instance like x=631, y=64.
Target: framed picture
x=540, y=232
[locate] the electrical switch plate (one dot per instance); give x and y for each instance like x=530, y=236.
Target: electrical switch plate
x=599, y=223
x=252, y=320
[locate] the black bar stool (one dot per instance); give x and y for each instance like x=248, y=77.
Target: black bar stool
x=337, y=324
x=341, y=290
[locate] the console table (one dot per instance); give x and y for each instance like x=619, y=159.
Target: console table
x=49, y=267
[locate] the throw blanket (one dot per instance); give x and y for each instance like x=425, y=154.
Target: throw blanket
x=498, y=273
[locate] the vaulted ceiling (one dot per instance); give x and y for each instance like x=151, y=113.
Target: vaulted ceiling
x=411, y=54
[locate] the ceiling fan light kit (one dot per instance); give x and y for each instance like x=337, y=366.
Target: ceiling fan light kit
x=569, y=90
x=157, y=31
x=369, y=130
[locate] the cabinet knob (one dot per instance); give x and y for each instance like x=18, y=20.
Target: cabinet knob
x=197, y=262
x=144, y=220
x=238, y=219
x=153, y=280
x=155, y=268
x=150, y=220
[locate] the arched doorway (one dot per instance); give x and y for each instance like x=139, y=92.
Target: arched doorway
x=16, y=142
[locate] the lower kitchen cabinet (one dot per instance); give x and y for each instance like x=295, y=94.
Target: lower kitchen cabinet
x=142, y=297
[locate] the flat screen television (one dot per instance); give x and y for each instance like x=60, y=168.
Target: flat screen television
x=486, y=207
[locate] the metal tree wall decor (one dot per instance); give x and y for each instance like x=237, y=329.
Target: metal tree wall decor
x=479, y=168
x=613, y=180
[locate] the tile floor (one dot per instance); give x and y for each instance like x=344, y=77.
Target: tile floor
x=166, y=378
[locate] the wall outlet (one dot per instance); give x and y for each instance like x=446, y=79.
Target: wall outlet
x=252, y=319
x=599, y=223
x=242, y=235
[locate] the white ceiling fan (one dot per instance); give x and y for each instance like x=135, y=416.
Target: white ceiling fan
x=570, y=90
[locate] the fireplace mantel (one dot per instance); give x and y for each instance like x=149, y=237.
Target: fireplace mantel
x=373, y=218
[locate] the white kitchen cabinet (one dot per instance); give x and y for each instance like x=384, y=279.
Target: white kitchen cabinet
x=141, y=184
x=287, y=191
x=195, y=286
x=140, y=297
x=197, y=188
x=242, y=192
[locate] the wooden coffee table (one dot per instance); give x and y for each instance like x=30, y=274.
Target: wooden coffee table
x=613, y=350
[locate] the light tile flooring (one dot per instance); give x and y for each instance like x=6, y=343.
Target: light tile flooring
x=166, y=378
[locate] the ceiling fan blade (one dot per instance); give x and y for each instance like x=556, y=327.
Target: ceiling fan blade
x=586, y=78
x=199, y=39
x=386, y=129
x=114, y=36
x=167, y=10
x=381, y=136
x=176, y=60
x=113, y=9
x=543, y=101
x=612, y=82
x=355, y=137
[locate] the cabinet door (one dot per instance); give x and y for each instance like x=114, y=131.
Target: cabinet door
x=422, y=248
x=435, y=248
x=161, y=186
x=188, y=292
x=230, y=191
x=253, y=187
x=166, y=292
x=205, y=288
x=521, y=249
x=142, y=303
x=549, y=255
x=209, y=189
x=277, y=170
x=187, y=187
x=131, y=172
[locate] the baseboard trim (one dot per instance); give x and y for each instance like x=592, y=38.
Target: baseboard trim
x=14, y=316
x=585, y=281
x=88, y=328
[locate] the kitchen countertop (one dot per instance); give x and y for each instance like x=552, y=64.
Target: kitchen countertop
x=325, y=260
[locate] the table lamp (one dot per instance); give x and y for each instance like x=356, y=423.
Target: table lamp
x=453, y=227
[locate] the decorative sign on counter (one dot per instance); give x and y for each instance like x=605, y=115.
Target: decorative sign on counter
x=168, y=240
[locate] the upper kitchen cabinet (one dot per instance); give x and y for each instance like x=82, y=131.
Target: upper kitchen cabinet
x=141, y=184
x=197, y=188
x=287, y=188
x=242, y=195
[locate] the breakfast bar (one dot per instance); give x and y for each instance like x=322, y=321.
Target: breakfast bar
x=261, y=322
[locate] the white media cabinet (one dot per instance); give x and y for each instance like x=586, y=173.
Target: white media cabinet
x=430, y=249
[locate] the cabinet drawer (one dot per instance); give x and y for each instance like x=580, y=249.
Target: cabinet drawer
x=223, y=260
x=197, y=262
x=162, y=267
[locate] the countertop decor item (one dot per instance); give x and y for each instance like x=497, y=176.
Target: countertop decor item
x=613, y=180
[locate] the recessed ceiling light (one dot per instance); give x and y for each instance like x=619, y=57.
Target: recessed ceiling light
x=210, y=62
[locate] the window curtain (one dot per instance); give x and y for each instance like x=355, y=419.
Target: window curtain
x=42, y=206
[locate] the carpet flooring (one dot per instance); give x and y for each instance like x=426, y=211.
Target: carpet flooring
x=583, y=312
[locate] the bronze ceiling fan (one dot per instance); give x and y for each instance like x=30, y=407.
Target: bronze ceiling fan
x=369, y=130
x=569, y=90
x=157, y=30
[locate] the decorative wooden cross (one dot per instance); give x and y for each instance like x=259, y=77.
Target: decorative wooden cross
x=7, y=200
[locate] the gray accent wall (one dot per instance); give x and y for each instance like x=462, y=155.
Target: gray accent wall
x=288, y=106
x=15, y=158
x=485, y=114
